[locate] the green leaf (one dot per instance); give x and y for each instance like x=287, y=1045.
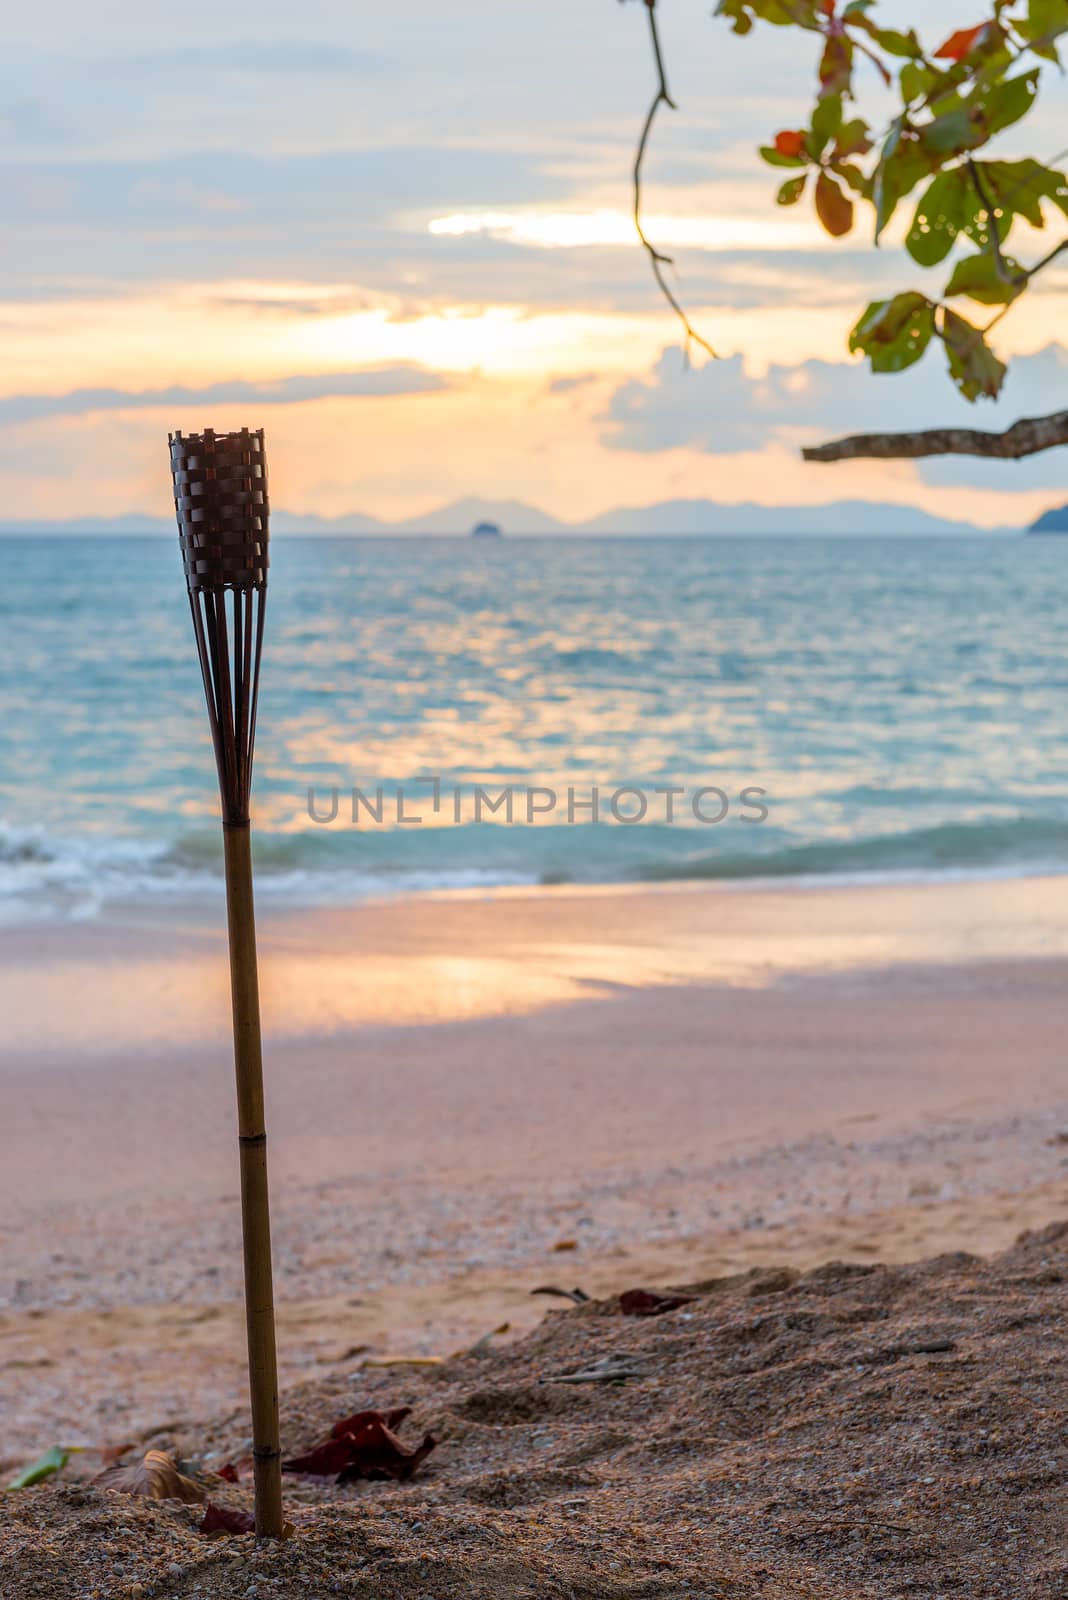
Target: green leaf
x=1019, y=187
x=901, y=166
x=851, y=174
x=792, y=190
x=978, y=277
x=894, y=334
x=45, y=1466
x=782, y=13
x=1007, y=102
x=947, y=207
x=833, y=206
x=889, y=39
x=774, y=158
x=974, y=367
x=917, y=81
x=953, y=132
x=854, y=138
x=987, y=110
x=826, y=121
x=1046, y=21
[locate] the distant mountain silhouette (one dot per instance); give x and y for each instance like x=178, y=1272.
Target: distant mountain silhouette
x=1055, y=521
x=693, y=517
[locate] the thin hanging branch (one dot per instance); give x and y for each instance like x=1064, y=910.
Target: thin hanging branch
x=1025, y=438
x=657, y=259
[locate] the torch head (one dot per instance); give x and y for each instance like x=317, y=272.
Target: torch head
x=220, y=500
x=220, y=497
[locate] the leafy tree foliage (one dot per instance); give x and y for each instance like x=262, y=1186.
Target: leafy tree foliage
x=949, y=103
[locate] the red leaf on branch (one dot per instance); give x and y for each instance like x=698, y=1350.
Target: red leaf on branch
x=643, y=1303
x=836, y=64
x=961, y=43
x=221, y=1519
x=833, y=206
x=791, y=142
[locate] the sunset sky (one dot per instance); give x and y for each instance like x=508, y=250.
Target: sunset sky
x=398, y=238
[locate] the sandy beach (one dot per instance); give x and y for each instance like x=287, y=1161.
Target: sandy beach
x=472, y=1096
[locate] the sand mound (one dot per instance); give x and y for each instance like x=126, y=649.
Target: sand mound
x=852, y=1431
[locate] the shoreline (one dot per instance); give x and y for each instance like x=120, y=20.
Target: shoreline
x=145, y=977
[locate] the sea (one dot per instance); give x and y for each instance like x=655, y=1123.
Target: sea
x=795, y=709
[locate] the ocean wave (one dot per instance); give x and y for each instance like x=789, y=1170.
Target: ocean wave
x=1024, y=844
x=78, y=876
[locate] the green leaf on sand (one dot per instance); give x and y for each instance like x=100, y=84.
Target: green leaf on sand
x=45, y=1466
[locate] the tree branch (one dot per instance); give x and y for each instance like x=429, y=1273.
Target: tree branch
x=657, y=259
x=1025, y=438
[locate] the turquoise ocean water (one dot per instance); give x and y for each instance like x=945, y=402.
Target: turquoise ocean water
x=902, y=703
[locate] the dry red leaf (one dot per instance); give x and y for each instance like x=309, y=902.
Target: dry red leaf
x=378, y=1453
x=364, y=1446
x=222, y=1519
x=353, y=1424
x=961, y=43
x=230, y=1473
x=324, y=1460
x=790, y=142
x=155, y=1478
x=643, y=1303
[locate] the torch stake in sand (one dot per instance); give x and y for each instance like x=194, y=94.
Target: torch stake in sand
x=220, y=497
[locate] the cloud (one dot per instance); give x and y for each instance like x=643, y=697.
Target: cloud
x=570, y=381
x=287, y=56
x=722, y=409
x=395, y=380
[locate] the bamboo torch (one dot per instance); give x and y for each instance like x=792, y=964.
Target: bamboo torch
x=220, y=498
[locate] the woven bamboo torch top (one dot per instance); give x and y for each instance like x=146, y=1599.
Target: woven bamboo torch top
x=220, y=500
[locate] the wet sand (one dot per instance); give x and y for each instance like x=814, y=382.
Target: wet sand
x=470, y=1096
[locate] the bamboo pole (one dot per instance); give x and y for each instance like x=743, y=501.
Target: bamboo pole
x=255, y=1209
x=220, y=499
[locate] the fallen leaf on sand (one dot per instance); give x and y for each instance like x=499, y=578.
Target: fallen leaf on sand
x=485, y=1341
x=45, y=1466
x=610, y=1369
x=359, y=1419
x=566, y=1244
x=643, y=1303
x=324, y=1460
x=364, y=1446
x=229, y=1473
x=156, y=1478
x=221, y=1519
x=403, y=1361
x=378, y=1453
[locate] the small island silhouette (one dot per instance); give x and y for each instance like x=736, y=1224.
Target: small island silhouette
x=485, y=530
